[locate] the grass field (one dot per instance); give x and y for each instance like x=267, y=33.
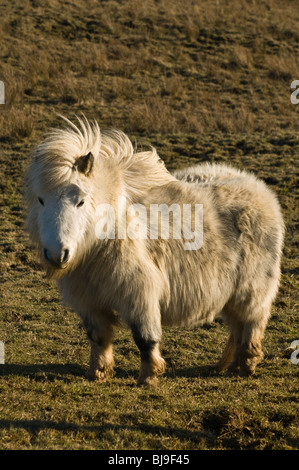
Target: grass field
x=201, y=81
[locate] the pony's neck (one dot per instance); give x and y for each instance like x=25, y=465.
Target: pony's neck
x=139, y=171
x=144, y=172
x=124, y=182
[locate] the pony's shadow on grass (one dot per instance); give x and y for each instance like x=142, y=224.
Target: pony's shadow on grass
x=50, y=372
x=42, y=371
x=191, y=372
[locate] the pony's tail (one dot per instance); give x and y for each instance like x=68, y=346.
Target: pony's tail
x=227, y=355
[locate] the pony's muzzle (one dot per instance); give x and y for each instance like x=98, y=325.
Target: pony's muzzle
x=58, y=260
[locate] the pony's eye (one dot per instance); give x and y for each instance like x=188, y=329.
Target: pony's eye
x=41, y=201
x=81, y=203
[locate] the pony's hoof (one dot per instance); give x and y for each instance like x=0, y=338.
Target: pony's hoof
x=99, y=375
x=246, y=371
x=233, y=369
x=150, y=381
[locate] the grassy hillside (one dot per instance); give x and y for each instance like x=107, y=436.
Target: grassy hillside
x=201, y=81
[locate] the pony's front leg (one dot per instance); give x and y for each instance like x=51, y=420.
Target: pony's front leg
x=152, y=364
x=101, y=361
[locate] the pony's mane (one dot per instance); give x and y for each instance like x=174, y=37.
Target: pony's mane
x=57, y=154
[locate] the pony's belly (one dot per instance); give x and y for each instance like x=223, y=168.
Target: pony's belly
x=188, y=317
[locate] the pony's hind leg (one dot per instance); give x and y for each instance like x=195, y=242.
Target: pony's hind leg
x=101, y=361
x=246, y=338
x=230, y=357
x=227, y=355
x=250, y=353
x=152, y=364
x=253, y=328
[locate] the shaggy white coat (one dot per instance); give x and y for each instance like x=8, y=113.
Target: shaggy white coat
x=149, y=283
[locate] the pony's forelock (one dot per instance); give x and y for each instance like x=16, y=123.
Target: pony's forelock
x=55, y=157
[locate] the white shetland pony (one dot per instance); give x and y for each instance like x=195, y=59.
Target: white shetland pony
x=110, y=277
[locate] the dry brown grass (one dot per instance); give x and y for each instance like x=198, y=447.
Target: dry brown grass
x=202, y=66
x=282, y=67
x=21, y=122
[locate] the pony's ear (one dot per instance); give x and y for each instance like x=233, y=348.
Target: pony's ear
x=85, y=164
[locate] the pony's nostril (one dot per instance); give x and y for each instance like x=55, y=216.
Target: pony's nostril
x=58, y=259
x=46, y=255
x=65, y=256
